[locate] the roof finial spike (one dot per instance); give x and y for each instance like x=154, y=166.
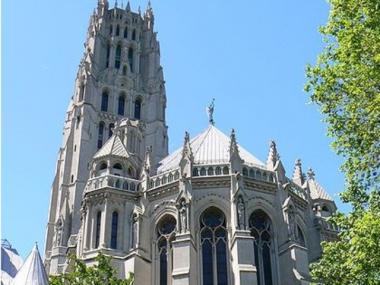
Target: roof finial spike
x=210, y=112
x=149, y=5
x=273, y=155
x=139, y=10
x=298, y=176
x=311, y=174
x=122, y=4
x=233, y=143
x=128, y=8
x=116, y=4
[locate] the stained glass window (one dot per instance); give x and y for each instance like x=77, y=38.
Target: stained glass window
x=261, y=230
x=214, y=247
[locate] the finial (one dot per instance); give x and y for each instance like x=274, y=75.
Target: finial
x=233, y=142
x=149, y=5
x=210, y=112
x=311, y=174
x=187, y=137
x=115, y=3
x=139, y=10
x=273, y=155
x=122, y=4
x=298, y=176
x=128, y=8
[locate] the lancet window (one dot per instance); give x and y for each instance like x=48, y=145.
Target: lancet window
x=214, y=247
x=114, y=229
x=261, y=229
x=165, y=235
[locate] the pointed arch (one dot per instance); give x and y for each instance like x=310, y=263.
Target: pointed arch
x=214, y=246
x=118, y=56
x=138, y=104
x=121, y=104
x=262, y=230
x=130, y=58
x=104, y=103
x=117, y=30
x=165, y=235
x=114, y=229
x=126, y=33
x=100, y=134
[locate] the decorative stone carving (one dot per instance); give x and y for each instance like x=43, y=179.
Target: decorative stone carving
x=58, y=232
x=240, y=209
x=183, y=214
x=135, y=231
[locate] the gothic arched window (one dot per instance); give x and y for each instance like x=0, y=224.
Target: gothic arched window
x=108, y=55
x=100, y=134
x=104, y=105
x=121, y=105
x=214, y=247
x=138, y=109
x=110, y=129
x=118, y=56
x=125, y=33
x=111, y=30
x=97, y=229
x=114, y=225
x=130, y=59
x=134, y=35
x=124, y=70
x=117, y=30
x=261, y=229
x=165, y=236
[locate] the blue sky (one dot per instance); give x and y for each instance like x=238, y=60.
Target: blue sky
x=249, y=55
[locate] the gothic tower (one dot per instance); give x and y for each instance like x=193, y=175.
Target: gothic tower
x=119, y=78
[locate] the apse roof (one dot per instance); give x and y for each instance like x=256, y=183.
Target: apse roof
x=209, y=147
x=32, y=271
x=114, y=146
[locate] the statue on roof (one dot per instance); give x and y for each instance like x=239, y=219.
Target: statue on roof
x=210, y=112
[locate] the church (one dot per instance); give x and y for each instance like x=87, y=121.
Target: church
x=209, y=213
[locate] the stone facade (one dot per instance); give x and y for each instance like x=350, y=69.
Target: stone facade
x=209, y=213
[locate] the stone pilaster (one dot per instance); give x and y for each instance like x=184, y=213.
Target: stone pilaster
x=184, y=260
x=243, y=264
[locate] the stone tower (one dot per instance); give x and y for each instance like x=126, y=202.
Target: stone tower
x=119, y=78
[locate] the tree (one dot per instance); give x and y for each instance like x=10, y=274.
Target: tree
x=100, y=274
x=345, y=83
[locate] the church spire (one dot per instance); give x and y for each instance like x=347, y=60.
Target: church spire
x=298, y=176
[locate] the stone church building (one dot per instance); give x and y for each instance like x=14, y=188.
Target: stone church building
x=209, y=213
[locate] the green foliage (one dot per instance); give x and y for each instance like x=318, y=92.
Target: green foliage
x=355, y=258
x=345, y=83
x=100, y=274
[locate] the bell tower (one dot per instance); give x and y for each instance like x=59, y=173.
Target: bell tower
x=119, y=77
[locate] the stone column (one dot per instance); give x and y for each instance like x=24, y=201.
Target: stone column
x=243, y=257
